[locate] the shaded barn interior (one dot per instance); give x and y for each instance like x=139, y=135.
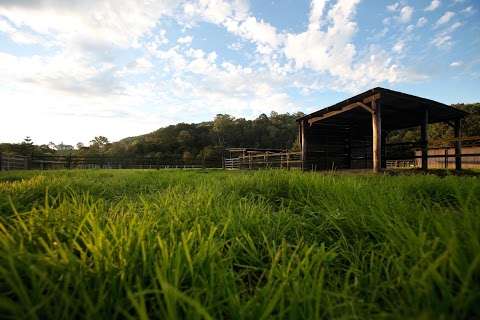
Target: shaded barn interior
x=352, y=134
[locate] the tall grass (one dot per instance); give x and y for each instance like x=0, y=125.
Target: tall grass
x=238, y=245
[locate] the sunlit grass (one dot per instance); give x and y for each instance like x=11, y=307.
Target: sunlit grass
x=238, y=245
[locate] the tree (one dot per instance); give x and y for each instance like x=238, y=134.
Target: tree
x=99, y=143
x=222, y=125
x=187, y=157
x=27, y=147
x=184, y=137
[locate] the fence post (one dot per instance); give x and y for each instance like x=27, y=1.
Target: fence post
x=446, y=158
x=458, y=144
x=1, y=162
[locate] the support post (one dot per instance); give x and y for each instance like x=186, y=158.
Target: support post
x=384, y=150
x=303, y=143
x=349, y=149
x=424, y=140
x=446, y=158
x=376, y=136
x=458, y=144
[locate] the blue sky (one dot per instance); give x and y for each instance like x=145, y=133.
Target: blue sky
x=72, y=70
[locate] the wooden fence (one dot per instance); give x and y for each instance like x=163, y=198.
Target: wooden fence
x=290, y=160
x=13, y=162
x=283, y=160
x=43, y=162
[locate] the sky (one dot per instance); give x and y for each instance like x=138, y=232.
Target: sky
x=72, y=70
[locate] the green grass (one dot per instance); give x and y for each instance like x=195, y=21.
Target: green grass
x=238, y=245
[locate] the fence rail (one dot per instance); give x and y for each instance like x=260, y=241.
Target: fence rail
x=41, y=162
x=282, y=160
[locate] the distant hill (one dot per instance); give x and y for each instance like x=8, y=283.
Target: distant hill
x=203, y=141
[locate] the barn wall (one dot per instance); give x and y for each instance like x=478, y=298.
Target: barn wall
x=338, y=147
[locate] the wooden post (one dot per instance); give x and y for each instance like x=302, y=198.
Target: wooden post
x=384, y=150
x=376, y=136
x=349, y=149
x=458, y=144
x=303, y=143
x=446, y=158
x=424, y=140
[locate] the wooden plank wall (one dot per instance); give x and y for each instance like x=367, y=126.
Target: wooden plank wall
x=328, y=147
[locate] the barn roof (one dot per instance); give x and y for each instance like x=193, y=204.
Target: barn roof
x=399, y=110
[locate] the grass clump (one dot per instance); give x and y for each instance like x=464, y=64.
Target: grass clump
x=238, y=245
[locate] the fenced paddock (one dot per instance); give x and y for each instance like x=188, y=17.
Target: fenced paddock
x=438, y=157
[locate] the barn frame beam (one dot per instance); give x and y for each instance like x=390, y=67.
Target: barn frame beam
x=424, y=139
x=376, y=135
x=303, y=143
x=344, y=109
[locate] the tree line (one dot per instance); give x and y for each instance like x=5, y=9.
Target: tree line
x=195, y=142
x=185, y=142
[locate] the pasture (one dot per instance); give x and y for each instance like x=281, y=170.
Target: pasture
x=238, y=245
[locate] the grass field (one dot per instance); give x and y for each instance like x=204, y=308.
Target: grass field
x=238, y=245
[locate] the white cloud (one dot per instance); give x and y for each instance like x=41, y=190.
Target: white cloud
x=257, y=31
x=447, y=16
x=17, y=35
x=316, y=12
x=234, y=16
x=422, y=21
x=119, y=22
x=405, y=14
x=433, y=5
x=327, y=48
x=185, y=40
x=453, y=27
x=393, y=7
x=399, y=46
x=468, y=10
x=82, y=76
x=442, y=41
x=456, y=64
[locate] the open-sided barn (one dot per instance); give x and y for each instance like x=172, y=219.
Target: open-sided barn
x=352, y=133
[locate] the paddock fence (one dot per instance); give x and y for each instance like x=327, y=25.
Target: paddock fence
x=52, y=162
x=281, y=160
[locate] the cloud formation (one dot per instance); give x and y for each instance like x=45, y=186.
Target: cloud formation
x=433, y=5
x=147, y=60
